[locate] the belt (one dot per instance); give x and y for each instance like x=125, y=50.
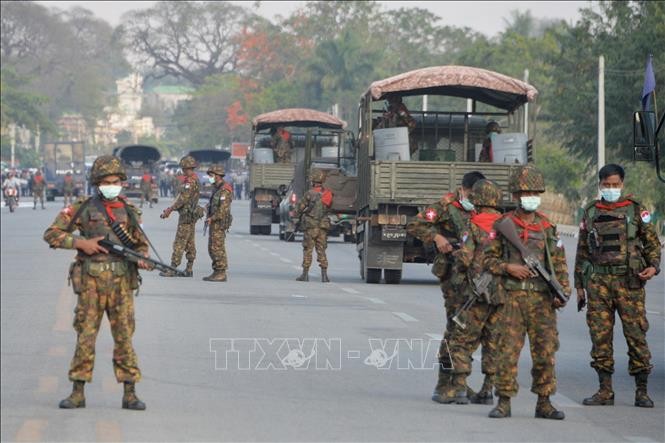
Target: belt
x=532, y=284
x=610, y=269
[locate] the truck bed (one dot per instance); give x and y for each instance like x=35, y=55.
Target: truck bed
x=270, y=176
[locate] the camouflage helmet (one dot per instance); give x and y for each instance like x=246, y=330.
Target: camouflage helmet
x=216, y=169
x=492, y=127
x=316, y=176
x=527, y=178
x=106, y=165
x=188, y=162
x=485, y=193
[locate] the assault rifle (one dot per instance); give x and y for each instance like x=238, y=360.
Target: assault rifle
x=480, y=287
x=506, y=227
x=131, y=255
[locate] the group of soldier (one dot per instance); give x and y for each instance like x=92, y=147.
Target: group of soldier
x=618, y=251
x=38, y=187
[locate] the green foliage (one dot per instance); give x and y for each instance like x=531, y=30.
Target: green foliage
x=24, y=157
x=564, y=174
x=19, y=105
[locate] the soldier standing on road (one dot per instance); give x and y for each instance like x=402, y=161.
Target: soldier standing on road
x=618, y=251
x=312, y=210
x=189, y=212
x=219, y=221
x=38, y=189
x=103, y=282
x=483, y=319
x=146, y=188
x=445, y=224
x=68, y=189
x=529, y=308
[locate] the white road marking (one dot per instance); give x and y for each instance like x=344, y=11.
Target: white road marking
x=285, y=260
x=638, y=439
x=437, y=337
x=653, y=312
x=350, y=290
x=377, y=301
x=274, y=254
x=297, y=268
x=565, y=402
x=298, y=296
x=405, y=316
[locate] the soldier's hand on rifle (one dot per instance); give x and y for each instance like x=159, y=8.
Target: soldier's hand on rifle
x=442, y=244
x=166, y=212
x=90, y=246
x=519, y=272
x=144, y=265
x=647, y=273
x=581, y=299
x=557, y=303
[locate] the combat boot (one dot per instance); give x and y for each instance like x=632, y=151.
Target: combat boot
x=304, y=276
x=502, y=409
x=216, y=276
x=167, y=273
x=34, y=208
x=642, y=399
x=442, y=386
x=129, y=398
x=324, y=276
x=189, y=269
x=460, y=388
x=484, y=396
x=544, y=409
x=76, y=399
x=605, y=394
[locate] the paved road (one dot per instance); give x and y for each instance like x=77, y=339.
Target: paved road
x=218, y=365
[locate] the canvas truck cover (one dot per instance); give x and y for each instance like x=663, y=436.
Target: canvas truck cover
x=301, y=117
x=137, y=153
x=485, y=86
x=210, y=156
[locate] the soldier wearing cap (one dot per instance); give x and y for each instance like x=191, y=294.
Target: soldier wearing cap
x=618, y=251
x=219, y=222
x=529, y=308
x=486, y=154
x=102, y=282
x=186, y=204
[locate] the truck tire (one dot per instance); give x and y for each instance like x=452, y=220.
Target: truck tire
x=289, y=236
x=349, y=238
x=392, y=276
x=265, y=230
x=254, y=230
x=373, y=275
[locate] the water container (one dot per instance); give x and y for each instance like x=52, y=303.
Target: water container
x=263, y=155
x=509, y=148
x=392, y=144
x=329, y=151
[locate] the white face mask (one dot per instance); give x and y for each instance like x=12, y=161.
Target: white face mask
x=467, y=205
x=211, y=180
x=530, y=203
x=110, y=191
x=610, y=194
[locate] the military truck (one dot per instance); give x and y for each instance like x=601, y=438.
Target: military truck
x=396, y=183
x=646, y=145
x=137, y=159
x=59, y=158
x=206, y=158
x=269, y=180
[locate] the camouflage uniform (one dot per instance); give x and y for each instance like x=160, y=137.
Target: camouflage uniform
x=282, y=146
x=486, y=154
x=483, y=319
x=38, y=188
x=103, y=282
x=146, y=190
x=312, y=211
x=189, y=212
x=68, y=189
x=448, y=218
x=396, y=116
x=219, y=214
x=616, y=242
x=529, y=307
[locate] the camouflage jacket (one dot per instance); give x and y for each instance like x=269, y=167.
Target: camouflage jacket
x=90, y=223
x=394, y=118
x=640, y=246
x=188, y=199
x=498, y=253
x=68, y=185
x=219, y=206
x=313, y=208
x=38, y=186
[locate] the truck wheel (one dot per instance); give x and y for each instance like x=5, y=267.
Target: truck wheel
x=289, y=236
x=254, y=230
x=266, y=229
x=373, y=275
x=392, y=276
x=349, y=238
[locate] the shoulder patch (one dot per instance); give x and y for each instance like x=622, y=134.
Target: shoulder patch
x=645, y=216
x=492, y=234
x=430, y=214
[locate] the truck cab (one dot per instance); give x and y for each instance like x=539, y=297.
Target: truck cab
x=137, y=159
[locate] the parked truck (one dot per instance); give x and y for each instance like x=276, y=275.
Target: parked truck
x=61, y=157
x=269, y=180
x=402, y=170
x=137, y=159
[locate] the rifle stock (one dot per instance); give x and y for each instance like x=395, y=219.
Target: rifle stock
x=131, y=255
x=480, y=287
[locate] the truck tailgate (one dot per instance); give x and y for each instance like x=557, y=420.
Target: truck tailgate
x=270, y=176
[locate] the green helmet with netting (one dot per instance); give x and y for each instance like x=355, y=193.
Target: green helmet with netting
x=216, y=169
x=106, y=165
x=188, y=162
x=317, y=176
x=485, y=193
x=527, y=178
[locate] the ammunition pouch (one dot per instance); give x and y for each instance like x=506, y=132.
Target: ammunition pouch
x=226, y=221
x=635, y=266
x=610, y=269
x=75, y=279
x=325, y=223
x=530, y=284
x=96, y=269
x=587, y=270
x=135, y=279
x=199, y=212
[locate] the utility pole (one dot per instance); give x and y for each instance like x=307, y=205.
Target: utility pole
x=12, y=141
x=601, y=112
x=526, y=107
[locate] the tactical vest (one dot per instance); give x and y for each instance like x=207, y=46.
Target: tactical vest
x=535, y=244
x=94, y=224
x=214, y=204
x=612, y=234
x=315, y=213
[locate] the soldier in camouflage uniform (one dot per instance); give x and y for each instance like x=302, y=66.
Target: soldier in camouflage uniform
x=444, y=224
x=38, y=188
x=483, y=318
x=529, y=307
x=617, y=252
x=282, y=145
x=68, y=189
x=219, y=221
x=103, y=282
x=186, y=204
x=397, y=115
x=146, y=188
x=312, y=211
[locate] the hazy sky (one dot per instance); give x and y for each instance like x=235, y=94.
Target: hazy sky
x=486, y=17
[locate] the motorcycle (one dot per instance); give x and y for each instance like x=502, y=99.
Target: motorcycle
x=11, y=198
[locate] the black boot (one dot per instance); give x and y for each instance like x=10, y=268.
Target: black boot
x=605, y=394
x=129, y=398
x=304, y=276
x=189, y=269
x=324, y=276
x=484, y=396
x=502, y=409
x=442, y=386
x=76, y=399
x=642, y=399
x=544, y=409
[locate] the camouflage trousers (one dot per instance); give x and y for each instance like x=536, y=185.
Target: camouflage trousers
x=527, y=313
x=146, y=195
x=184, y=242
x=453, y=299
x=482, y=327
x=38, y=195
x=111, y=294
x=69, y=197
x=315, y=238
x=608, y=294
x=217, y=247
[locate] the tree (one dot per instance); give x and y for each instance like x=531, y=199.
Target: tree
x=19, y=105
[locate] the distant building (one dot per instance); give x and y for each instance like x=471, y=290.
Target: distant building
x=166, y=98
